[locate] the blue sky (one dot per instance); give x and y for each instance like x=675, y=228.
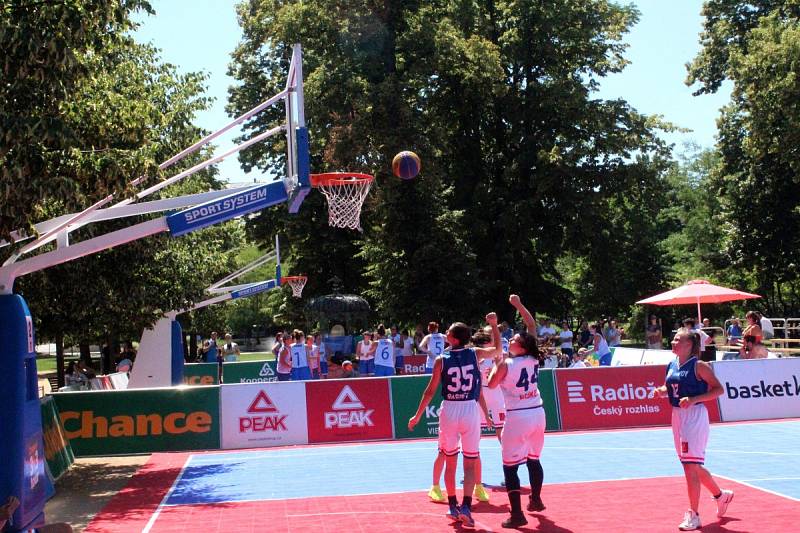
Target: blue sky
x=199, y=35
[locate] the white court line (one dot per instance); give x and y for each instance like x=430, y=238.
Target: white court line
x=758, y=488
x=667, y=449
x=772, y=479
x=421, y=489
x=152, y=521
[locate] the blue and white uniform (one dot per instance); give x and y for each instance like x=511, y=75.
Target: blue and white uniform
x=459, y=417
x=300, y=370
x=523, y=432
x=384, y=357
x=435, y=348
x=690, y=427
x=603, y=351
x=493, y=397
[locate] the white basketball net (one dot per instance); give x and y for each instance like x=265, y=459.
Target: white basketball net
x=345, y=199
x=297, y=285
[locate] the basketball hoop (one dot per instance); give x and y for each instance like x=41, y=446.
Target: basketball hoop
x=345, y=192
x=296, y=283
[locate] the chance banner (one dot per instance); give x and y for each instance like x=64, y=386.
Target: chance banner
x=141, y=420
x=759, y=389
x=348, y=410
x=614, y=397
x=260, y=415
x=200, y=374
x=57, y=449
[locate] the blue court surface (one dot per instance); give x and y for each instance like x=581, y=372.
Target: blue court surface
x=762, y=455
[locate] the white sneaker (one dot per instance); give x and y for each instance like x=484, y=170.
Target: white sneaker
x=691, y=521
x=724, y=499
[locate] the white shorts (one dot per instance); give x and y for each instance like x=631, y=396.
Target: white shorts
x=523, y=436
x=496, y=405
x=460, y=423
x=690, y=431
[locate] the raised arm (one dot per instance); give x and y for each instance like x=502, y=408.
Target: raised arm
x=527, y=317
x=497, y=342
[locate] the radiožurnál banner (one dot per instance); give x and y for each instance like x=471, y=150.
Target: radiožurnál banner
x=258, y=415
x=615, y=397
x=348, y=410
x=141, y=420
x=759, y=389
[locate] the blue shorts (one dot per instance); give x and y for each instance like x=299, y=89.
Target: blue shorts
x=366, y=366
x=384, y=370
x=428, y=370
x=284, y=377
x=605, y=359
x=398, y=362
x=301, y=374
x=323, y=367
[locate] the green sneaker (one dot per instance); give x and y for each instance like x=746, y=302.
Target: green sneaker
x=435, y=494
x=480, y=493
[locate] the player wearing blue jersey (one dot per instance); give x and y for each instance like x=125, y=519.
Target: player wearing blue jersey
x=689, y=383
x=459, y=419
x=522, y=438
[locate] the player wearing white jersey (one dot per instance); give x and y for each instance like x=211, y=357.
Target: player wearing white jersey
x=523, y=432
x=382, y=351
x=433, y=344
x=299, y=353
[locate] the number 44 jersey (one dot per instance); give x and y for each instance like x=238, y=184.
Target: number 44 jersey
x=461, y=377
x=521, y=384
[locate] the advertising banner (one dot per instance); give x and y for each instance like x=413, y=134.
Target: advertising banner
x=140, y=420
x=200, y=374
x=414, y=364
x=613, y=397
x=249, y=372
x=758, y=389
x=57, y=449
x=348, y=410
x=657, y=357
x=407, y=391
x=627, y=357
x=263, y=414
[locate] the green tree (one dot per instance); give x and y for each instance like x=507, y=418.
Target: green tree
x=756, y=46
x=496, y=98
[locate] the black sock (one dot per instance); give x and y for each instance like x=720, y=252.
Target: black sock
x=467, y=502
x=718, y=495
x=536, y=474
x=512, y=487
x=452, y=500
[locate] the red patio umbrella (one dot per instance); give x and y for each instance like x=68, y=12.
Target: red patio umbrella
x=698, y=291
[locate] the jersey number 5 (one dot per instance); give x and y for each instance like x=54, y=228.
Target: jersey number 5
x=461, y=378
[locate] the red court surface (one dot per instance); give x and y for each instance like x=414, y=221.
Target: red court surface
x=636, y=505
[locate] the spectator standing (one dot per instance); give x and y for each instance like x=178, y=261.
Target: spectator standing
x=397, y=342
x=419, y=334
x=323, y=355
x=551, y=360
x=614, y=334
x=734, y=331
x=283, y=360
x=654, y=336
x=767, y=329
x=565, y=337
x=577, y=359
x=405, y=351
x=313, y=355
x=547, y=332
x=753, y=328
x=366, y=356
x=506, y=331
x=584, y=335
x=230, y=350
x=211, y=352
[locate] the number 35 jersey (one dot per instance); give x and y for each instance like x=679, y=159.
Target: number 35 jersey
x=521, y=384
x=461, y=377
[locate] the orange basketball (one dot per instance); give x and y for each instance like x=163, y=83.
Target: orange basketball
x=406, y=165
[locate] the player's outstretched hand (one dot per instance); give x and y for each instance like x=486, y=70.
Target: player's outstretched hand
x=491, y=319
x=514, y=300
x=412, y=422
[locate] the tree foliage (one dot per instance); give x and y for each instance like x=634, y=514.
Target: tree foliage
x=519, y=159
